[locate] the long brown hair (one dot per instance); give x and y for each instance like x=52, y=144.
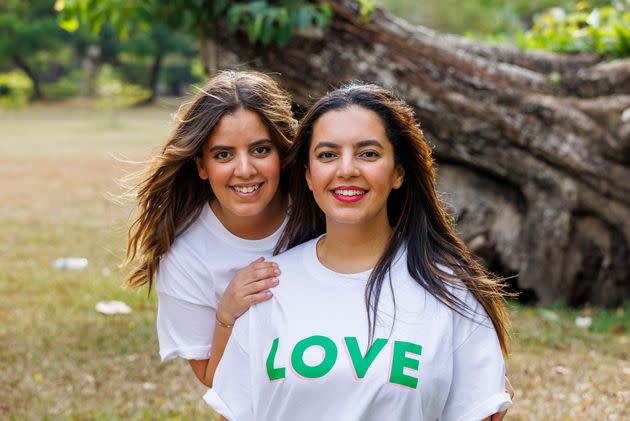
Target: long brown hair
x=171, y=194
x=436, y=258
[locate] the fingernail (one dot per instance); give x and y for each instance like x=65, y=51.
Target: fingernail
x=276, y=271
x=276, y=281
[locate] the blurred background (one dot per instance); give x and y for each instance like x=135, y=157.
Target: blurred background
x=88, y=91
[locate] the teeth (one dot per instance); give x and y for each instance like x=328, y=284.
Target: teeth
x=349, y=192
x=247, y=189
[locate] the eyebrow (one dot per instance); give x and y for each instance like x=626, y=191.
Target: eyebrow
x=260, y=142
x=361, y=144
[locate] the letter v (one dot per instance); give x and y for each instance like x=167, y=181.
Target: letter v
x=273, y=372
x=362, y=363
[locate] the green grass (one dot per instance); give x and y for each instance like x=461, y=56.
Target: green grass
x=60, y=359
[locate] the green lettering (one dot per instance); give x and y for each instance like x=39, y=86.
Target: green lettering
x=362, y=363
x=400, y=361
x=273, y=372
x=312, y=372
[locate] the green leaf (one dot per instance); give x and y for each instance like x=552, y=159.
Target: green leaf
x=218, y=6
x=257, y=7
x=303, y=17
x=70, y=23
x=234, y=17
x=254, y=28
x=268, y=29
x=284, y=29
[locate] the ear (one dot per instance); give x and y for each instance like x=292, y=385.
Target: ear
x=399, y=177
x=203, y=174
x=307, y=174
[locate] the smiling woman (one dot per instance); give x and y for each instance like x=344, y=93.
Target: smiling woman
x=381, y=313
x=211, y=207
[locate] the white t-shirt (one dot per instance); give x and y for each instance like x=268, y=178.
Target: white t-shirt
x=191, y=279
x=302, y=354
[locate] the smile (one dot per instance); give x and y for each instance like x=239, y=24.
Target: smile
x=246, y=189
x=348, y=193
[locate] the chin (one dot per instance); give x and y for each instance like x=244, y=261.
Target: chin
x=348, y=219
x=248, y=210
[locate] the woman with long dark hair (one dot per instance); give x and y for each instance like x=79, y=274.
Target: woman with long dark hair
x=381, y=312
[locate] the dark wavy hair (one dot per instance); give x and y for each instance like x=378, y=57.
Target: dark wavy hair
x=170, y=195
x=436, y=258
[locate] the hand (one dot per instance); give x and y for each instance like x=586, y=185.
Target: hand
x=249, y=286
x=508, y=389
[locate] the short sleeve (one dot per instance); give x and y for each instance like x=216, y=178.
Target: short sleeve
x=184, y=329
x=183, y=275
x=477, y=387
x=231, y=394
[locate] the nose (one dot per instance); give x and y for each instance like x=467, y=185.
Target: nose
x=347, y=167
x=245, y=168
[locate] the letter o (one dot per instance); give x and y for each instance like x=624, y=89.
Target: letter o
x=321, y=369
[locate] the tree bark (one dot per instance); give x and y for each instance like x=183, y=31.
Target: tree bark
x=533, y=148
x=30, y=73
x=154, y=75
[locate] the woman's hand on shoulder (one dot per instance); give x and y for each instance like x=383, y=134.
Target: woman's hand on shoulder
x=249, y=286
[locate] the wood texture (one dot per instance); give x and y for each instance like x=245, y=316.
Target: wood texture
x=533, y=148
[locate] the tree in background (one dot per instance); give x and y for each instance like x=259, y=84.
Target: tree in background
x=27, y=30
x=264, y=21
x=154, y=45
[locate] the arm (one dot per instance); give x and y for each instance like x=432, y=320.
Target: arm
x=478, y=378
x=508, y=389
x=249, y=286
x=231, y=394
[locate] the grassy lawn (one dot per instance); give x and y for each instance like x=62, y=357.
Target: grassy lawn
x=60, y=359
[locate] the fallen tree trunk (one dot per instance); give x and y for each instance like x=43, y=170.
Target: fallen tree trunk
x=533, y=148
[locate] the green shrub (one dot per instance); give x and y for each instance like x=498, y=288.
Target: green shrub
x=15, y=89
x=65, y=87
x=604, y=30
x=114, y=93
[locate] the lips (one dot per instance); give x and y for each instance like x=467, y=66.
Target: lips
x=348, y=194
x=246, y=188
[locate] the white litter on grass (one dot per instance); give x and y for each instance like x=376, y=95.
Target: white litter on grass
x=70, y=263
x=112, y=307
x=583, y=322
x=148, y=386
x=548, y=315
x=561, y=370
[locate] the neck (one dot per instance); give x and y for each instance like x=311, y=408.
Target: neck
x=353, y=248
x=254, y=227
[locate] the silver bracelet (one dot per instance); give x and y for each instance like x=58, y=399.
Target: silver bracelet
x=220, y=323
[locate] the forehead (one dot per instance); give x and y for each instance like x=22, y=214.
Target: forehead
x=351, y=124
x=241, y=127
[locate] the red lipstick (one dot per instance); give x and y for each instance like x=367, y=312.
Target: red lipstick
x=348, y=194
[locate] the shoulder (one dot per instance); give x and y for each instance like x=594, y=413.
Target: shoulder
x=183, y=269
x=296, y=254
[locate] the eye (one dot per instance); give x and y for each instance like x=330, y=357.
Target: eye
x=325, y=155
x=223, y=155
x=261, y=150
x=369, y=154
